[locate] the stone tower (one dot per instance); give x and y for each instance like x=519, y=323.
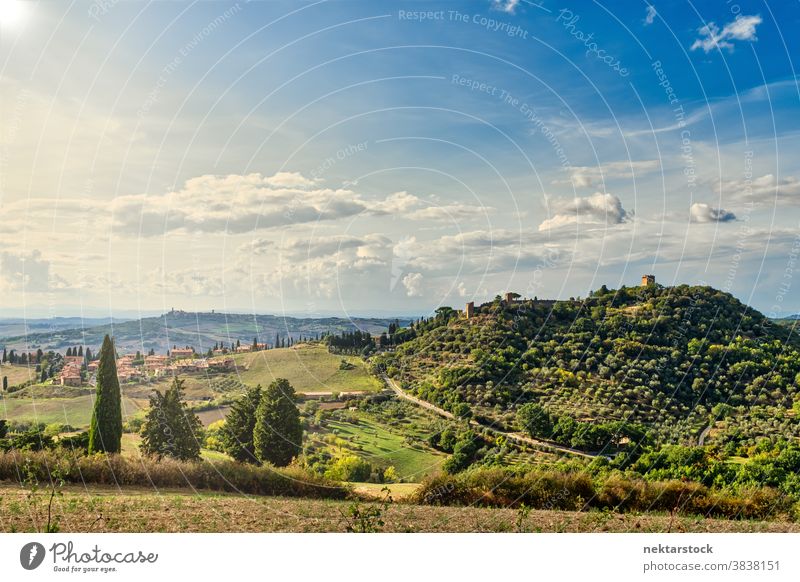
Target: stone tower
x=648, y=280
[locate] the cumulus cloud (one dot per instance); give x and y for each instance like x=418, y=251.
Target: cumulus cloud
x=590, y=176
x=397, y=203
x=290, y=180
x=243, y=203
x=508, y=6
x=232, y=204
x=598, y=208
x=650, y=16
x=28, y=272
x=711, y=37
x=766, y=189
x=331, y=245
x=413, y=284
x=700, y=212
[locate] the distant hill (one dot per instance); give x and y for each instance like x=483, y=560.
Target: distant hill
x=671, y=360
x=200, y=330
x=18, y=326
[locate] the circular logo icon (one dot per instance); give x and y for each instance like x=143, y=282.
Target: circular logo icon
x=31, y=555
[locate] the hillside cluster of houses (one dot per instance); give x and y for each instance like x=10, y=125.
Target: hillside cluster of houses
x=131, y=369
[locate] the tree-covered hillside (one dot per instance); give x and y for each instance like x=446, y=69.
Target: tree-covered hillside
x=672, y=361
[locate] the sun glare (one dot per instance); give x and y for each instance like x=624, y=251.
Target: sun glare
x=10, y=11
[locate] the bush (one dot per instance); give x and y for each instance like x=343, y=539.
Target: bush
x=349, y=468
x=231, y=476
x=548, y=489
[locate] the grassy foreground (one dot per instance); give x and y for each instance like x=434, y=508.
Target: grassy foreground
x=104, y=509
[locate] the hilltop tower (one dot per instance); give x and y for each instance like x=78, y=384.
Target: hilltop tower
x=648, y=280
x=470, y=310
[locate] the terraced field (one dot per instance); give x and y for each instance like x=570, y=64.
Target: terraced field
x=383, y=447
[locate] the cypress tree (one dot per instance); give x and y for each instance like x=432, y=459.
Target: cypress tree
x=105, y=431
x=240, y=422
x=278, y=434
x=170, y=428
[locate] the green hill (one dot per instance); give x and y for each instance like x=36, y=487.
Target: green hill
x=309, y=368
x=669, y=361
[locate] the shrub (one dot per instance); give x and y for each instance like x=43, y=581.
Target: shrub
x=548, y=489
x=122, y=471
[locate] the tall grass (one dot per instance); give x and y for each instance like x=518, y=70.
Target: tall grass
x=547, y=489
x=122, y=471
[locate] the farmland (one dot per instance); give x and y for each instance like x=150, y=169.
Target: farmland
x=76, y=412
x=308, y=367
x=107, y=509
x=16, y=374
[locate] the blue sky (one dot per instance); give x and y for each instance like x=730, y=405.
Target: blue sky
x=364, y=157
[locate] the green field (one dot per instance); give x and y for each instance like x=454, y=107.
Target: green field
x=309, y=368
x=382, y=447
x=76, y=412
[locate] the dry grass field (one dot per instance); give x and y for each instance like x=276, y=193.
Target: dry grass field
x=98, y=509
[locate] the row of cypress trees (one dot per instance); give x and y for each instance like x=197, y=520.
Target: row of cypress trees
x=263, y=426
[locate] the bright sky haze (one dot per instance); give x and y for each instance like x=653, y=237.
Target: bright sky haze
x=391, y=157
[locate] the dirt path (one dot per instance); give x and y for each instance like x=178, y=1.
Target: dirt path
x=512, y=436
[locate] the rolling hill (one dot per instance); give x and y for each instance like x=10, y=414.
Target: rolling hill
x=200, y=330
x=673, y=362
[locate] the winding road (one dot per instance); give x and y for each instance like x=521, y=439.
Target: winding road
x=512, y=436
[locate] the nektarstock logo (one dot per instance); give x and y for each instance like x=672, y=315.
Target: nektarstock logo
x=31, y=555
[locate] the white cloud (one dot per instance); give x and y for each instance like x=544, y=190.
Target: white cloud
x=591, y=176
x=598, y=208
x=413, y=284
x=289, y=180
x=651, y=15
x=238, y=204
x=701, y=212
x=743, y=28
x=450, y=212
x=257, y=246
x=397, y=203
x=331, y=245
x=28, y=272
x=508, y=6
x=764, y=190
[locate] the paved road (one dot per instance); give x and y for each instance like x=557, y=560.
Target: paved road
x=702, y=440
x=512, y=436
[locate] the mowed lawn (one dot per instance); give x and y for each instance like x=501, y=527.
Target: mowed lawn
x=309, y=368
x=384, y=448
x=76, y=411
x=16, y=374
